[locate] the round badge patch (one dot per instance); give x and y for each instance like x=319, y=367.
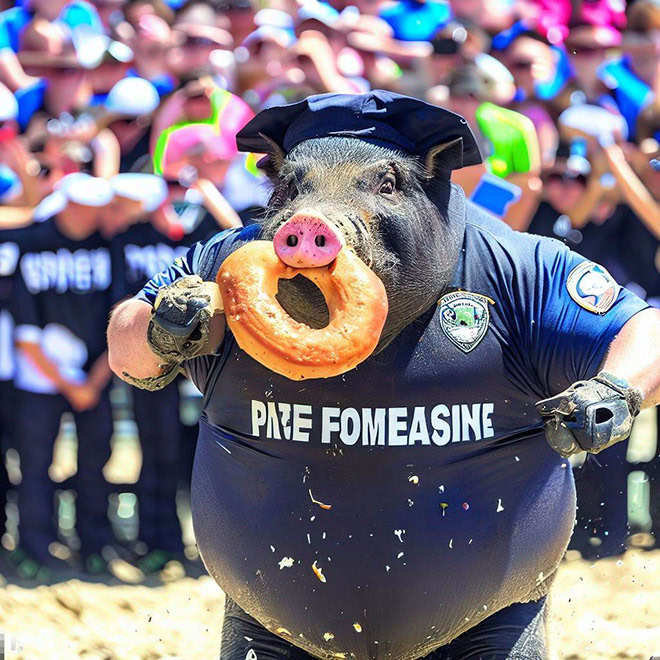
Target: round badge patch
x=464, y=318
x=592, y=287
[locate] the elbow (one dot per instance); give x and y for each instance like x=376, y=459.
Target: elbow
x=128, y=350
x=115, y=353
x=117, y=365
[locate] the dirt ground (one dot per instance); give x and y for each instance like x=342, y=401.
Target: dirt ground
x=607, y=609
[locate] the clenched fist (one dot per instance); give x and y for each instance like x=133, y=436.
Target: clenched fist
x=590, y=415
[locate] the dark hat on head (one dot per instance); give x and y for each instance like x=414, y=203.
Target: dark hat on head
x=384, y=118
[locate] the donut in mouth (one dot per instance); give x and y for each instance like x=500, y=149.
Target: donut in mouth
x=354, y=294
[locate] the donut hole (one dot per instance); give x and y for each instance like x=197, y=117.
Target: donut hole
x=303, y=301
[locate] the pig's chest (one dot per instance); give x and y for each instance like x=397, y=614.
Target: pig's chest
x=451, y=379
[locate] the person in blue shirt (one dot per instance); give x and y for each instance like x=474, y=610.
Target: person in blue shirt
x=410, y=507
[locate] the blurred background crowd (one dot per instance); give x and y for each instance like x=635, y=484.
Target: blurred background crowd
x=117, y=151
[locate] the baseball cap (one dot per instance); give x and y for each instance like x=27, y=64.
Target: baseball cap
x=215, y=136
x=485, y=78
x=149, y=189
x=318, y=11
x=282, y=37
x=132, y=96
x=195, y=138
x=85, y=189
x=274, y=17
x=593, y=120
x=215, y=36
x=381, y=117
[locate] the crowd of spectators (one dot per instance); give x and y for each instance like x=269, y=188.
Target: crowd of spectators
x=117, y=151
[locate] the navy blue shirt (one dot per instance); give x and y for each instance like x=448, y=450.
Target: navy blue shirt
x=60, y=300
x=384, y=512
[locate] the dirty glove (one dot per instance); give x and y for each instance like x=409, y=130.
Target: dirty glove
x=179, y=326
x=590, y=415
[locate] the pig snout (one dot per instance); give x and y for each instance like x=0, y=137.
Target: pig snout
x=307, y=240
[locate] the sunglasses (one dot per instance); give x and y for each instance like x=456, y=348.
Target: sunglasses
x=521, y=65
x=587, y=50
x=199, y=42
x=564, y=178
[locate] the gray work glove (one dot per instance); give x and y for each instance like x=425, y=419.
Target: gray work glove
x=179, y=326
x=590, y=415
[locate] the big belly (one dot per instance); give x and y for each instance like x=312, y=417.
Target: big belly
x=385, y=555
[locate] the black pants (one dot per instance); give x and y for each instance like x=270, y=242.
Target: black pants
x=6, y=441
x=157, y=418
x=36, y=428
x=514, y=633
x=602, y=503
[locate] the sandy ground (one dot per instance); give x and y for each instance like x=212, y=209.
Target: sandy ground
x=607, y=609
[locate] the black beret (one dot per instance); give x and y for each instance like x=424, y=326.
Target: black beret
x=381, y=117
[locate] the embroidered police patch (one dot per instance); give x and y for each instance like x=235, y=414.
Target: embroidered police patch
x=592, y=287
x=464, y=318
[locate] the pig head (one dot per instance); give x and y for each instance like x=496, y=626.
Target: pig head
x=391, y=208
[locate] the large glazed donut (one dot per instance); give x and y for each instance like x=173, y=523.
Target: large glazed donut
x=356, y=300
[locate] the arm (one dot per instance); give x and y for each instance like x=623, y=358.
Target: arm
x=100, y=374
x=11, y=71
x=43, y=363
x=217, y=205
x=140, y=345
x=593, y=415
x=81, y=396
x=107, y=154
x=15, y=217
x=580, y=213
x=636, y=194
x=128, y=349
x=521, y=213
x=634, y=355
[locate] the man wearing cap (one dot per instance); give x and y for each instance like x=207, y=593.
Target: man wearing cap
x=412, y=505
x=148, y=246
x=128, y=111
x=61, y=298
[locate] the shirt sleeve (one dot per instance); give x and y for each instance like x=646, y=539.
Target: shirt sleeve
x=200, y=259
x=182, y=267
x=576, y=309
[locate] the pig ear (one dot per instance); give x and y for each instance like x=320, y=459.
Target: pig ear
x=441, y=159
x=273, y=161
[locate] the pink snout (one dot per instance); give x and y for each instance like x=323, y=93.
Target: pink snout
x=307, y=240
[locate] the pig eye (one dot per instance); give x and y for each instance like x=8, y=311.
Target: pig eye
x=388, y=186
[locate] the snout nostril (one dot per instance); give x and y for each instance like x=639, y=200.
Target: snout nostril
x=292, y=240
x=320, y=240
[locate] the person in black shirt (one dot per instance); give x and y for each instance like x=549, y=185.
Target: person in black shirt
x=9, y=255
x=144, y=249
x=613, y=236
x=60, y=305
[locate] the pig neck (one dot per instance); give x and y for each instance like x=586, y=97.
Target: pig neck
x=410, y=299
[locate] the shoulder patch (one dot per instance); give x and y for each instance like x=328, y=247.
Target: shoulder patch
x=592, y=287
x=464, y=318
